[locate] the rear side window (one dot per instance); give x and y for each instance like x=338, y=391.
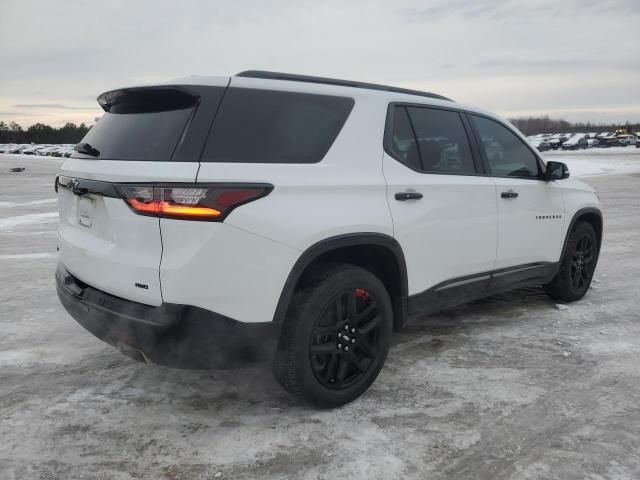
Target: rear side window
x=506, y=154
x=403, y=141
x=140, y=123
x=265, y=126
x=435, y=141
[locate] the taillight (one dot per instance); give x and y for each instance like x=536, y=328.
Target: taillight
x=190, y=202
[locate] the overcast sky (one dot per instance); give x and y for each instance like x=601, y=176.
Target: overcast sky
x=575, y=59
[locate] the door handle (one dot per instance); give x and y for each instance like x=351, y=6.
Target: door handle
x=404, y=196
x=509, y=194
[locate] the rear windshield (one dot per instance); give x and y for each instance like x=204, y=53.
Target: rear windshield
x=140, y=124
x=266, y=126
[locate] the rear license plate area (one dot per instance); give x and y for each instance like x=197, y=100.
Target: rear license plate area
x=86, y=206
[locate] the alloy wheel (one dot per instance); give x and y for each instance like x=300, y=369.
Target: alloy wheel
x=582, y=262
x=344, y=341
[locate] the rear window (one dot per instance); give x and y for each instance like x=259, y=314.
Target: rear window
x=140, y=123
x=265, y=126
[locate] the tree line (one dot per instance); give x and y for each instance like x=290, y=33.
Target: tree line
x=42, y=133
x=535, y=125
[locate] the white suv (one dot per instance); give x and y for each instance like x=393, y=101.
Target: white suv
x=213, y=218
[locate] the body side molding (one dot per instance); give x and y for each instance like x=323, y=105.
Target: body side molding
x=468, y=288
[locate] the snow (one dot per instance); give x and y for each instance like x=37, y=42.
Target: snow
x=9, y=223
x=45, y=201
x=598, y=161
x=509, y=387
x=28, y=256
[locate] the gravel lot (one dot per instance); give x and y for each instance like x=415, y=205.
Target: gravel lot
x=510, y=387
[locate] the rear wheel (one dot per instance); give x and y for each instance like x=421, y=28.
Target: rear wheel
x=336, y=336
x=578, y=265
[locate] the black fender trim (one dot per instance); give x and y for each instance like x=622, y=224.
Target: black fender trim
x=574, y=219
x=340, y=241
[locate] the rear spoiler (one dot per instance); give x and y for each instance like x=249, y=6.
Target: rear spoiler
x=147, y=99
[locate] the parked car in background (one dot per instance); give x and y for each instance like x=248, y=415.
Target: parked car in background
x=575, y=143
x=42, y=149
x=540, y=145
x=46, y=151
x=556, y=141
x=58, y=152
x=611, y=141
x=62, y=150
x=65, y=151
x=627, y=140
x=30, y=150
x=54, y=151
x=17, y=148
x=595, y=143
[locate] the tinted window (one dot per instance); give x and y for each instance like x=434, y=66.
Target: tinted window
x=440, y=144
x=140, y=124
x=442, y=141
x=264, y=126
x=507, y=155
x=402, y=140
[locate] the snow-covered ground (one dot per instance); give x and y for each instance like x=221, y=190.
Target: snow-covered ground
x=513, y=387
x=598, y=161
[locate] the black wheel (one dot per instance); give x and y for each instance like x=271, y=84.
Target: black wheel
x=578, y=265
x=336, y=336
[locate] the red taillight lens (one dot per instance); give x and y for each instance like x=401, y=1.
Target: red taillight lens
x=190, y=202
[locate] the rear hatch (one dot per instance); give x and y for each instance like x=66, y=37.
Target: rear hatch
x=148, y=136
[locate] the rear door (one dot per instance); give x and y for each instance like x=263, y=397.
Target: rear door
x=530, y=209
x=444, y=212
x=147, y=135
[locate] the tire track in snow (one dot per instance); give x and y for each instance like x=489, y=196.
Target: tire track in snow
x=29, y=219
x=28, y=256
x=26, y=204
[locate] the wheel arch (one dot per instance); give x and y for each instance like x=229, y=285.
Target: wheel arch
x=379, y=253
x=590, y=215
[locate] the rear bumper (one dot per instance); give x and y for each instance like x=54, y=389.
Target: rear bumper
x=174, y=335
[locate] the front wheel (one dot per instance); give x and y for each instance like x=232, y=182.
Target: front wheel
x=336, y=336
x=578, y=265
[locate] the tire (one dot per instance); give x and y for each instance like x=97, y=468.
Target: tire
x=578, y=265
x=335, y=337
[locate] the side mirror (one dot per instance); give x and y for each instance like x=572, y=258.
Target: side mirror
x=556, y=171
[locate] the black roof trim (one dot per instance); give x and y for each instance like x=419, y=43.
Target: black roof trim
x=333, y=81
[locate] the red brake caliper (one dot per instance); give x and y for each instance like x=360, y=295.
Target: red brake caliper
x=362, y=294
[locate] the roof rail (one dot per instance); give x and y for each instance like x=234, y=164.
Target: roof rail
x=333, y=81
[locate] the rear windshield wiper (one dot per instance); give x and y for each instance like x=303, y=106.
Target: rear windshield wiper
x=87, y=149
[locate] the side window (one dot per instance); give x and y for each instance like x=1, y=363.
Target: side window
x=507, y=155
x=403, y=141
x=267, y=126
x=431, y=140
x=442, y=141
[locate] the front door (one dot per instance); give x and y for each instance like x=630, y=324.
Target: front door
x=530, y=209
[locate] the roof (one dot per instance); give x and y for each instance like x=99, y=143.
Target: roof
x=333, y=81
